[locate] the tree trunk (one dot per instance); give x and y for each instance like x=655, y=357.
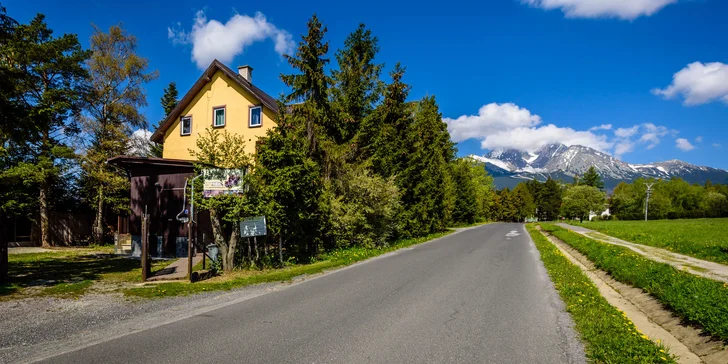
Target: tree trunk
x=98, y=234
x=255, y=244
x=44, y=226
x=227, y=248
x=280, y=249
x=232, y=247
x=250, y=251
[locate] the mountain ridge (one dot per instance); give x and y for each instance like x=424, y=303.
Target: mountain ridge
x=558, y=161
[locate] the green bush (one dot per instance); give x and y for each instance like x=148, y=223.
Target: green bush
x=363, y=210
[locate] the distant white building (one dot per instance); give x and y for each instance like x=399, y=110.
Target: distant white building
x=604, y=214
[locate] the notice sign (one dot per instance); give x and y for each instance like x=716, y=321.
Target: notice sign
x=222, y=181
x=253, y=226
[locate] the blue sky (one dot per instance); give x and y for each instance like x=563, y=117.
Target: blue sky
x=506, y=73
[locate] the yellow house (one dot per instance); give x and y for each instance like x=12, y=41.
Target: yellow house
x=223, y=99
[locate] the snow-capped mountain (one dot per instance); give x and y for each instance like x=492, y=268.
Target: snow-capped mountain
x=510, y=166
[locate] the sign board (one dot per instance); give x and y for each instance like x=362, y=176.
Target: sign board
x=253, y=226
x=222, y=181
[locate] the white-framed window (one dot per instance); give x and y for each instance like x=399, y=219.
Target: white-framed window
x=218, y=116
x=186, y=125
x=256, y=116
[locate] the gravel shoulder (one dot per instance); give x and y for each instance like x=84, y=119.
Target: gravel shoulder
x=35, y=328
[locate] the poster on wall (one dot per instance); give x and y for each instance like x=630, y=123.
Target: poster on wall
x=220, y=181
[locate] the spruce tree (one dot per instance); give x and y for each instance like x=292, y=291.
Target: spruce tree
x=357, y=86
x=383, y=137
x=423, y=172
x=592, y=178
x=550, y=200
x=169, y=102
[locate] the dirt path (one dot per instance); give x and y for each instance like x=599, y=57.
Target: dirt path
x=699, y=267
x=688, y=343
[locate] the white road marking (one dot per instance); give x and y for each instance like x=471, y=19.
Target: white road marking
x=513, y=233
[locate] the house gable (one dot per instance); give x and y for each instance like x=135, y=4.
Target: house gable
x=219, y=87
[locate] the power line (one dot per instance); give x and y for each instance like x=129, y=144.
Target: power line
x=647, y=200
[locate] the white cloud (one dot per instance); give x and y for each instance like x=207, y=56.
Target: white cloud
x=623, y=9
x=531, y=139
x=698, y=83
x=627, y=132
x=491, y=118
x=699, y=139
x=601, y=127
x=649, y=136
x=212, y=39
x=510, y=126
x=716, y=145
x=623, y=147
x=683, y=144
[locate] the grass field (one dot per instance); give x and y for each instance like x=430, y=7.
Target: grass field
x=698, y=300
x=609, y=336
x=700, y=238
x=69, y=272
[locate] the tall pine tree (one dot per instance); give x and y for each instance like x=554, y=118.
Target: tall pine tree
x=169, y=102
x=357, y=86
x=48, y=90
x=592, y=178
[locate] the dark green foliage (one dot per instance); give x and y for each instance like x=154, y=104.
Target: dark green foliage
x=672, y=199
x=169, y=102
x=699, y=300
x=383, y=139
x=592, y=178
x=42, y=92
x=609, y=336
x=428, y=192
x=357, y=87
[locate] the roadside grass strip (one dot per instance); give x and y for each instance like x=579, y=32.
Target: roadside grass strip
x=699, y=301
x=242, y=278
x=609, y=336
x=698, y=238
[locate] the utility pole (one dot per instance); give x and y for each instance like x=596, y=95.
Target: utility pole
x=647, y=200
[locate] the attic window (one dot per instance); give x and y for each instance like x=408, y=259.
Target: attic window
x=186, y=123
x=255, y=116
x=218, y=116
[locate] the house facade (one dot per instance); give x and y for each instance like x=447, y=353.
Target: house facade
x=222, y=99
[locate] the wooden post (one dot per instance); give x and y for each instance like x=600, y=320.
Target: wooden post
x=145, y=246
x=204, y=251
x=3, y=251
x=280, y=249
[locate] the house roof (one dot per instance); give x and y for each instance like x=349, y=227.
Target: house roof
x=125, y=161
x=206, y=77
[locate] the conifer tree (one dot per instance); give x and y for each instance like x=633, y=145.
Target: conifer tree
x=592, y=178
x=423, y=172
x=169, y=102
x=48, y=73
x=357, y=85
x=549, y=200
x=383, y=137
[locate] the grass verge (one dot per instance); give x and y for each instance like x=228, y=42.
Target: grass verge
x=609, y=336
x=699, y=238
x=334, y=259
x=698, y=300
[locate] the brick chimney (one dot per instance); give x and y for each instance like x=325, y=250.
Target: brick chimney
x=247, y=72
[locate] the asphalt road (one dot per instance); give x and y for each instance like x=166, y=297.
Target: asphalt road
x=478, y=296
